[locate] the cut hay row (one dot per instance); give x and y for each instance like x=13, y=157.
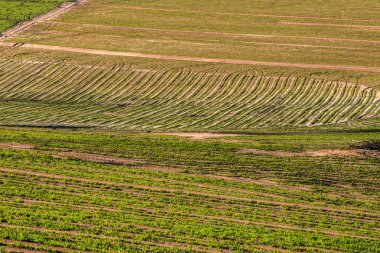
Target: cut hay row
x=133, y=98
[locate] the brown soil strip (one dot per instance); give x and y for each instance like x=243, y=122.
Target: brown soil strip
x=204, y=194
x=16, y=146
x=338, y=152
x=97, y=158
x=195, y=59
x=263, y=182
x=198, y=135
x=49, y=15
x=104, y=159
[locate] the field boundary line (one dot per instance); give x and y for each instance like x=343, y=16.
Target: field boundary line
x=20, y=27
x=194, y=59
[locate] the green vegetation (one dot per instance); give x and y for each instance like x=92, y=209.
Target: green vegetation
x=15, y=11
x=176, y=194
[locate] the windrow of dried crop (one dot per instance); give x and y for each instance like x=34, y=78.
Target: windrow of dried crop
x=174, y=98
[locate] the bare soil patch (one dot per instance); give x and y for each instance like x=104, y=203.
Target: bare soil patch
x=199, y=135
x=16, y=146
x=98, y=158
x=112, y=160
x=337, y=152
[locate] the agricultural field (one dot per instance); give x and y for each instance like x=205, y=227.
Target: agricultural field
x=190, y=126
x=95, y=191
x=14, y=11
x=39, y=93
x=194, y=67
x=327, y=33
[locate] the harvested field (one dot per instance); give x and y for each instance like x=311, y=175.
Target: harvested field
x=196, y=59
x=127, y=98
x=204, y=31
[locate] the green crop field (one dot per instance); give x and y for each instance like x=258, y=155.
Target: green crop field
x=15, y=11
x=190, y=126
x=80, y=191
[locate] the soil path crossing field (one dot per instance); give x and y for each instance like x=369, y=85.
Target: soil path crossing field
x=49, y=15
x=194, y=59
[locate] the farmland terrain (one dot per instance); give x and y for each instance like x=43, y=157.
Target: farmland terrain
x=160, y=66
x=190, y=126
x=94, y=191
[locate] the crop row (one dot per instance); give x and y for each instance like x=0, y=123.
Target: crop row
x=180, y=195
x=174, y=99
x=57, y=210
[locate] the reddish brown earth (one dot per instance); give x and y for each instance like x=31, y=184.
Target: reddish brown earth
x=198, y=135
x=16, y=146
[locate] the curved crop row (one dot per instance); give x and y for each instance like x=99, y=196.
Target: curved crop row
x=174, y=98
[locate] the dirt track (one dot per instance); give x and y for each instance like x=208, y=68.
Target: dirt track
x=194, y=59
x=49, y=15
